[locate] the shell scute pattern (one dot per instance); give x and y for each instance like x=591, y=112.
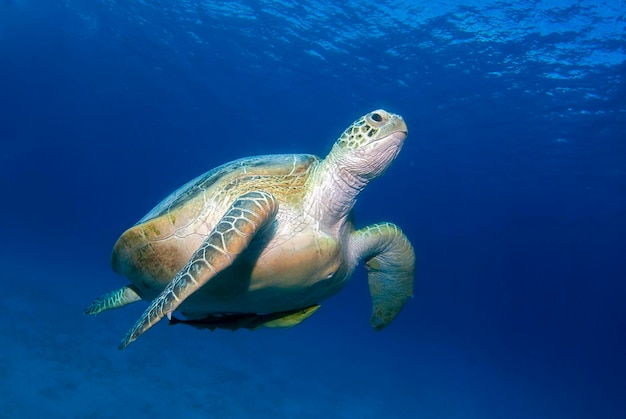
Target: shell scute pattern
x=194, y=208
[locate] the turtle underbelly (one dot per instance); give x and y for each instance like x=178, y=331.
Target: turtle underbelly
x=270, y=299
x=296, y=274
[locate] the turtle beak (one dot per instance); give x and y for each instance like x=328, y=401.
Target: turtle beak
x=399, y=126
x=400, y=135
x=395, y=129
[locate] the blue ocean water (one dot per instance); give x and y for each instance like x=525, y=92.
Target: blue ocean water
x=511, y=187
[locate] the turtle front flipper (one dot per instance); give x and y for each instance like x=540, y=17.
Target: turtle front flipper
x=390, y=262
x=114, y=299
x=231, y=236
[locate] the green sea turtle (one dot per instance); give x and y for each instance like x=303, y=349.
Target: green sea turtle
x=261, y=241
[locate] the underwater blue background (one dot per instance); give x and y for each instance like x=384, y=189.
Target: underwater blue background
x=511, y=186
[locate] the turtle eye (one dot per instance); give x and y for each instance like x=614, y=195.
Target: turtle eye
x=376, y=117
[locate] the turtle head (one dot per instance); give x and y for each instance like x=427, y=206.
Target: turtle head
x=369, y=146
x=363, y=152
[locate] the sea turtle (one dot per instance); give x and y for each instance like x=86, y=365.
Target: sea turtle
x=261, y=241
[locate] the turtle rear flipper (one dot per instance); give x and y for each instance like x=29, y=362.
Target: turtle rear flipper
x=114, y=299
x=289, y=318
x=229, y=238
x=250, y=321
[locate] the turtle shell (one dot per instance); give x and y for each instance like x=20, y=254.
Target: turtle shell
x=152, y=251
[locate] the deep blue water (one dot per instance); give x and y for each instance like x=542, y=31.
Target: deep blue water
x=511, y=187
